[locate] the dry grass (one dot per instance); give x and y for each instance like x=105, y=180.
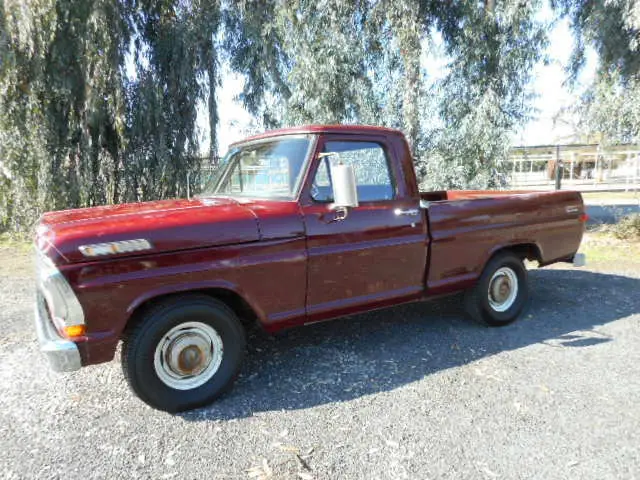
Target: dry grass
x=15, y=257
x=604, y=249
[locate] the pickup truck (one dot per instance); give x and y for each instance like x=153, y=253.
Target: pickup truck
x=298, y=226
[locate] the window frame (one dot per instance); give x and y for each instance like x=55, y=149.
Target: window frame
x=317, y=162
x=301, y=180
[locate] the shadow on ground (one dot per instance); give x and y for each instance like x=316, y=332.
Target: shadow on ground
x=377, y=352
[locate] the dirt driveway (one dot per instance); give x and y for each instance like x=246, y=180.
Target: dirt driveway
x=411, y=392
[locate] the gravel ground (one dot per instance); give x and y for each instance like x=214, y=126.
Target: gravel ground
x=411, y=392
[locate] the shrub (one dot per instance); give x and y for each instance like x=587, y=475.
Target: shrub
x=628, y=228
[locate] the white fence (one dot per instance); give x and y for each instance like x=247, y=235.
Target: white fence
x=584, y=167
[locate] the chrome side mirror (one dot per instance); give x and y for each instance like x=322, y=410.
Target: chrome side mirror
x=345, y=192
x=343, y=187
x=343, y=184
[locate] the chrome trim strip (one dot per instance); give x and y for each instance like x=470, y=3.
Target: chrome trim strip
x=410, y=212
x=113, y=248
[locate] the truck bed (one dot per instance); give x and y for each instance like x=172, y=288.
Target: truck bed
x=466, y=227
x=444, y=195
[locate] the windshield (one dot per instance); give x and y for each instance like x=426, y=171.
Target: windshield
x=268, y=169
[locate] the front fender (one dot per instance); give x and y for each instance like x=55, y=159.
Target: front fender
x=200, y=286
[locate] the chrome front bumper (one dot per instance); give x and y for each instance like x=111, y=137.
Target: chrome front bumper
x=63, y=354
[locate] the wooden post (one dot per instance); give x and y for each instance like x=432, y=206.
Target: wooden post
x=573, y=159
x=558, y=169
x=595, y=167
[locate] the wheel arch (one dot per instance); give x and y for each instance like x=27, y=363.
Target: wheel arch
x=247, y=312
x=524, y=251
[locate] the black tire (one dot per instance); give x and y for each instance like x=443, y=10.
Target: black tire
x=477, y=303
x=139, y=351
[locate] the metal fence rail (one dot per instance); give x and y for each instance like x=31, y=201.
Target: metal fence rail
x=580, y=167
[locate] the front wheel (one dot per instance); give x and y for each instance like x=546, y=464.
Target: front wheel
x=501, y=292
x=183, y=352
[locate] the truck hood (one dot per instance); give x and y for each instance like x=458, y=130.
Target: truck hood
x=168, y=225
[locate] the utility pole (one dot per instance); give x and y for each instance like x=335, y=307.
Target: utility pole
x=559, y=168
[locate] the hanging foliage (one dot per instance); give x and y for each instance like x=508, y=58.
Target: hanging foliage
x=99, y=101
x=608, y=109
x=100, y=98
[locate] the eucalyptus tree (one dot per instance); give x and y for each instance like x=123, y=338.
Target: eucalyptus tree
x=612, y=28
x=254, y=47
x=304, y=61
x=360, y=61
x=176, y=65
x=98, y=100
x=61, y=109
x=328, y=76
x=610, y=110
x=400, y=27
x=493, y=48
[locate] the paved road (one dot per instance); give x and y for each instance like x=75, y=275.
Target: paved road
x=610, y=213
x=412, y=392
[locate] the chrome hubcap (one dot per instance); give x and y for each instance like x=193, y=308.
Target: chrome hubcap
x=188, y=355
x=503, y=289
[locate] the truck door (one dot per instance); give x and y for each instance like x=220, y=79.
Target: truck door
x=376, y=256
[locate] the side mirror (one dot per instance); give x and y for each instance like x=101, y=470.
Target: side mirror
x=343, y=180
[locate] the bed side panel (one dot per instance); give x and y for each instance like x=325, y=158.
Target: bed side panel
x=467, y=232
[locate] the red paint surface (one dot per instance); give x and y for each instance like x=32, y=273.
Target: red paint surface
x=169, y=225
x=469, y=228
x=359, y=130
x=287, y=260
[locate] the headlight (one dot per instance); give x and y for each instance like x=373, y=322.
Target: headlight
x=64, y=307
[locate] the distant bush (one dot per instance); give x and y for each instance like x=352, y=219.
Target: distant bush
x=628, y=228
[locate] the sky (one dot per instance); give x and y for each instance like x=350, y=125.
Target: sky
x=552, y=93
x=549, y=87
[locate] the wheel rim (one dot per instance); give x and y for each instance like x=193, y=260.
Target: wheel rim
x=503, y=289
x=188, y=355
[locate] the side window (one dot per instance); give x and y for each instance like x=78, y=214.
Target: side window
x=322, y=174
x=321, y=187
x=370, y=165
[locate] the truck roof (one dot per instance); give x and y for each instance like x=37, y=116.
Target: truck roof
x=348, y=129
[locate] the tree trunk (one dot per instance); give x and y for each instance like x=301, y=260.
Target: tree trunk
x=212, y=71
x=411, y=60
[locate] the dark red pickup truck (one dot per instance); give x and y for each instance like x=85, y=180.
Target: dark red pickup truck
x=300, y=225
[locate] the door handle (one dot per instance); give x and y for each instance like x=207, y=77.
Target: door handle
x=409, y=212
x=336, y=214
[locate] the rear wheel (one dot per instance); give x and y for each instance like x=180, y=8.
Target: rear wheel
x=183, y=352
x=501, y=293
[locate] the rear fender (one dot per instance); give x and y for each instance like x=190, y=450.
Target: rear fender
x=525, y=249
